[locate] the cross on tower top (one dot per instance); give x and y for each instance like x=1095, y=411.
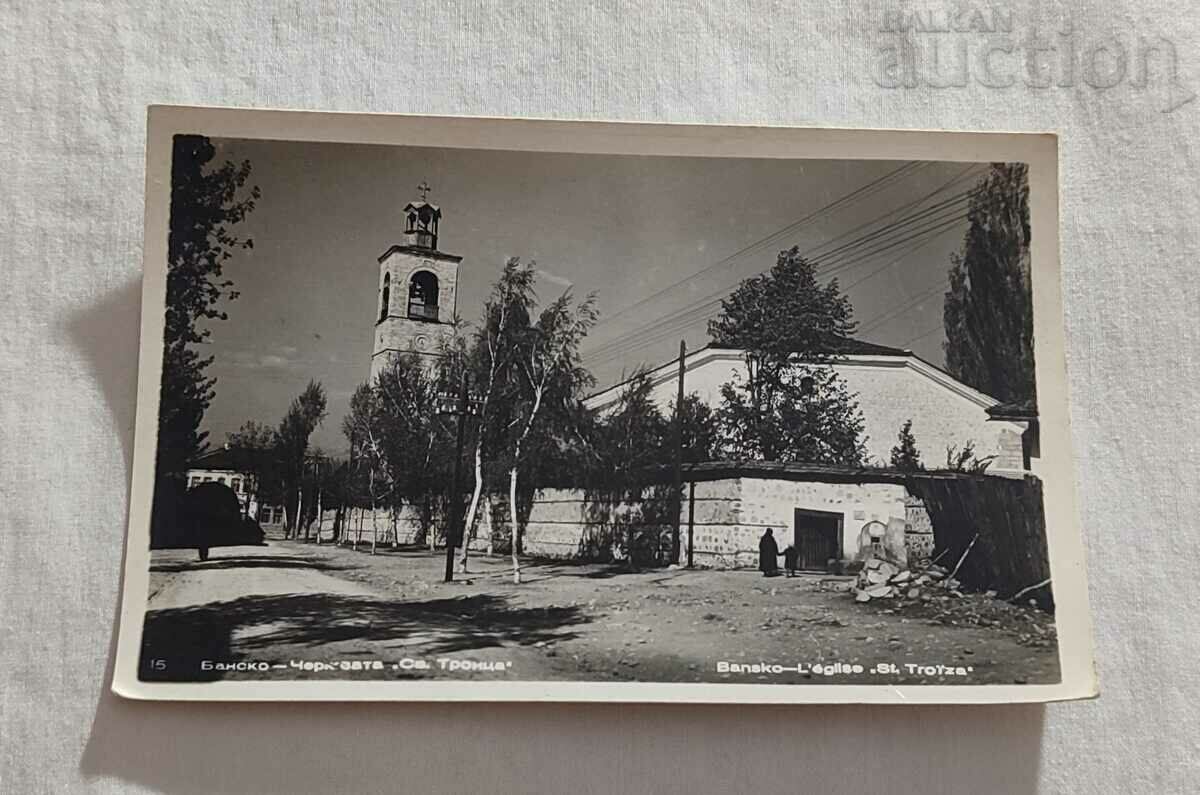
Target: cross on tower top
x=424, y=189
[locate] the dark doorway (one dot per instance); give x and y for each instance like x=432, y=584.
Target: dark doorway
x=818, y=538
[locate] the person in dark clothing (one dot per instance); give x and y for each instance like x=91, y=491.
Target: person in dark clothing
x=791, y=559
x=768, y=554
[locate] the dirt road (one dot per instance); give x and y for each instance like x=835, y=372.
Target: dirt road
x=300, y=603
x=280, y=607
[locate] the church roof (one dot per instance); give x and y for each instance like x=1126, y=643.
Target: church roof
x=851, y=351
x=220, y=459
x=845, y=346
x=417, y=205
x=1016, y=410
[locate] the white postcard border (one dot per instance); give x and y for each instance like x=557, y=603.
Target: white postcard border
x=1039, y=150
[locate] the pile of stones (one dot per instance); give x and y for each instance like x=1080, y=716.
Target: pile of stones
x=880, y=579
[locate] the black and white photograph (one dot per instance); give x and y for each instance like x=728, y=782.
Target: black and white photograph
x=501, y=415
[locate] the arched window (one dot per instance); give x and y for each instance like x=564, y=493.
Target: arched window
x=423, y=296
x=386, y=296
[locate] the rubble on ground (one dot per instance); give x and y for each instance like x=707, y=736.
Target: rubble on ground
x=935, y=595
x=880, y=579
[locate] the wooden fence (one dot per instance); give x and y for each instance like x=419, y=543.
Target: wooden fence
x=1010, y=552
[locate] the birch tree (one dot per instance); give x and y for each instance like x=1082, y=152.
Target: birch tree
x=504, y=323
x=546, y=367
x=363, y=427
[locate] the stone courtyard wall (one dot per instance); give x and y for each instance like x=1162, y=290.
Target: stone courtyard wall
x=772, y=503
x=403, y=527
x=728, y=517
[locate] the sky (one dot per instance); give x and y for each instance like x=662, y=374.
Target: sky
x=658, y=240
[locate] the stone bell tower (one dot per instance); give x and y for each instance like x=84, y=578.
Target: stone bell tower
x=418, y=287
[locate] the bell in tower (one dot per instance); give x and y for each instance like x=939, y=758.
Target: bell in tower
x=421, y=220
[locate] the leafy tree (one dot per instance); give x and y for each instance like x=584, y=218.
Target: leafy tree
x=205, y=204
x=964, y=459
x=787, y=407
x=417, y=443
x=505, y=322
x=303, y=416
x=785, y=313
x=905, y=455
x=700, y=436
x=629, y=439
x=632, y=437
x=806, y=415
x=546, y=376
x=988, y=310
x=254, y=447
x=363, y=427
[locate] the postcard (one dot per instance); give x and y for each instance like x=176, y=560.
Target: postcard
x=508, y=410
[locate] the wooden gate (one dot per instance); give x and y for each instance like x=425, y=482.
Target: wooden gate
x=818, y=538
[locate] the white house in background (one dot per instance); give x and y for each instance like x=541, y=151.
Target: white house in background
x=892, y=386
x=220, y=466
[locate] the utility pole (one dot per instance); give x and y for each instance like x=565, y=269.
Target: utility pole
x=691, y=520
x=677, y=443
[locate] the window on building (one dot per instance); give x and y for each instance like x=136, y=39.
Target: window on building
x=208, y=478
x=423, y=296
x=386, y=296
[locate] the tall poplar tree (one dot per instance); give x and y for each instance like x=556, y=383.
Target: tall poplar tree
x=206, y=203
x=988, y=310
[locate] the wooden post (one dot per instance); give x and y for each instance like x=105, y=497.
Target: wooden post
x=691, y=521
x=677, y=443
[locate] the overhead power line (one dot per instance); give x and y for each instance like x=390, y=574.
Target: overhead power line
x=855, y=195
x=687, y=314
x=918, y=228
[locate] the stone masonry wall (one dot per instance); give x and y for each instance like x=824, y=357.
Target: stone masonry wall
x=728, y=518
x=772, y=503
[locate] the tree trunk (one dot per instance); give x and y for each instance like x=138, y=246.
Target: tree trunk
x=516, y=528
x=319, y=517
x=374, y=528
x=469, y=524
x=430, y=535
x=374, y=512
x=299, y=512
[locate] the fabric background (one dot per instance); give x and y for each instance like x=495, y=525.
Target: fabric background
x=75, y=79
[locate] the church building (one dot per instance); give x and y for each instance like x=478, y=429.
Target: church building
x=891, y=386
x=418, y=289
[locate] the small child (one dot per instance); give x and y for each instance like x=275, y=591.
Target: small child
x=791, y=557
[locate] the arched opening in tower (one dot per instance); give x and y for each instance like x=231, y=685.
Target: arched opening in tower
x=385, y=296
x=423, y=296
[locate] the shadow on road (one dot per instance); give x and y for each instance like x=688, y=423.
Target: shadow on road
x=248, y=562
x=181, y=637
